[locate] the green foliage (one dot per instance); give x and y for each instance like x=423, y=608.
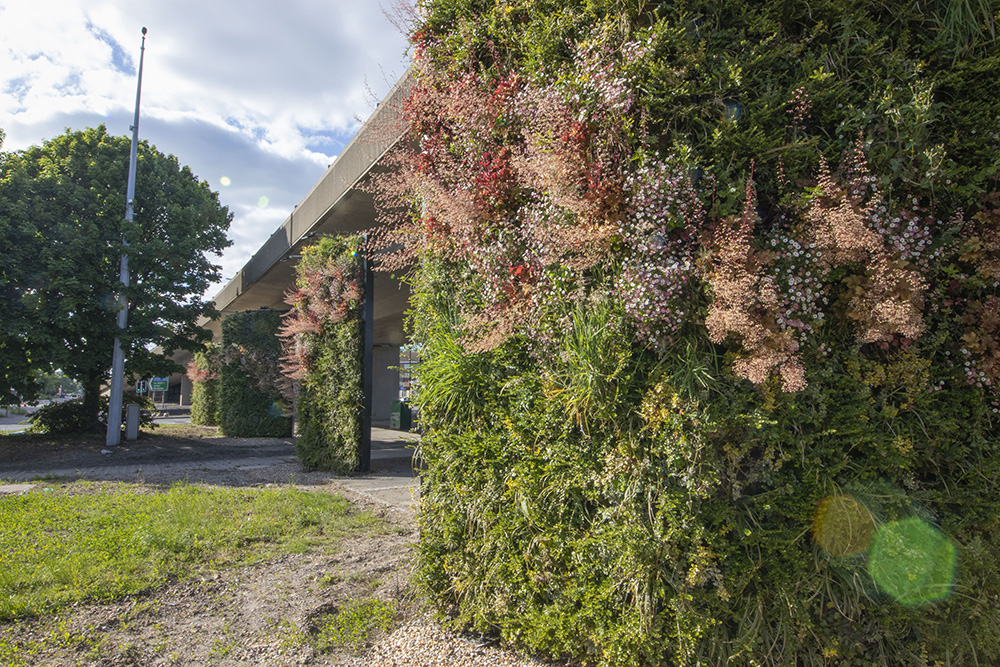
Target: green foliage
x=323, y=348
x=73, y=418
x=205, y=403
x=708, y=346
x=62, y=207
x=59, y=546
x=50, y=384
x=329, y=405
x=204, y=375
x=686, y=538
x=250, y=401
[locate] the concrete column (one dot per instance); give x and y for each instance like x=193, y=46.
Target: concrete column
x=385, y=381
x=367, y=369
x=186, y=385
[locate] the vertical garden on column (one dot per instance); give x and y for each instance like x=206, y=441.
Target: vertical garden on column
x=322, y=341
x=203, y=372
x=251, y=404
x=706, y=300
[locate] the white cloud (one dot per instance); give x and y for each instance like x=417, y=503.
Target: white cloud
x=261, y=92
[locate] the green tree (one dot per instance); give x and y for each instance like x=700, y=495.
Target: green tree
x=62, y=222
x=17, y=381
x=50, y=384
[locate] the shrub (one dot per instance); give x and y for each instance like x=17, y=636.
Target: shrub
x=203, y=371
x=70, y=418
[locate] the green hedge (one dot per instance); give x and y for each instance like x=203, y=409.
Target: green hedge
x=706, y=304
x=329, y=406
x=614, y=521
x=323, y=346
x=205, y=402
x=250, y=401
x=204, y=376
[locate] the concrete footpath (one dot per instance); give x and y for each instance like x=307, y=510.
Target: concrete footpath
x=9, y=421
x=393, y=480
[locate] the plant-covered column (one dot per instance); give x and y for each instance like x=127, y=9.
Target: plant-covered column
x=251, y=404
x=706, y=297
x=322, y=340
x=203, y=371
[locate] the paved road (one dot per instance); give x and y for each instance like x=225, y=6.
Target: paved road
x=12, y=422
x=227, y=461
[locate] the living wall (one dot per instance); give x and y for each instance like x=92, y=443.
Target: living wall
x=322, y=341
x=706, y=295
x=203, y=371
x=251, y=404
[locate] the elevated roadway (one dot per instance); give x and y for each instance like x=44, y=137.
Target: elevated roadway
x=339, y=203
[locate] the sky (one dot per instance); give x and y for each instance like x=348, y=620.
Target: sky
x=257, y=96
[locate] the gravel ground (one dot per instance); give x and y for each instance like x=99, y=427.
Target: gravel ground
x=424, y=644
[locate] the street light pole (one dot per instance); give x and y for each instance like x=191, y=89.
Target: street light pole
x=118, y=359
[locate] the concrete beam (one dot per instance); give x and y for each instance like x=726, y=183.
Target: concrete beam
x=337, y=204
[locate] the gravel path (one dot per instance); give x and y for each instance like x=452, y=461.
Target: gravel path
x=424, y=644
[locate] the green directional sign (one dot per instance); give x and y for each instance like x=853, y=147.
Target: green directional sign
x=159, y=384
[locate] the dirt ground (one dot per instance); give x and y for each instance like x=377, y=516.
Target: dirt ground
x=265, y=614
x=258, y=615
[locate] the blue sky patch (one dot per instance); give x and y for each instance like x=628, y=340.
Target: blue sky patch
x=17, y=88
x=325, y=141
x=72, y=85
x=120, y=58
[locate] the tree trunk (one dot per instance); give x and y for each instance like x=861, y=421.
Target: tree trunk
x=91, y=400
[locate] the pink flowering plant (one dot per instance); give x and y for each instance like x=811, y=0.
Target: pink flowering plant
x=690, y=278
x=321, y=362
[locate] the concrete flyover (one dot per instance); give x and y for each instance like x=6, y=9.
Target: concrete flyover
x=338, y=203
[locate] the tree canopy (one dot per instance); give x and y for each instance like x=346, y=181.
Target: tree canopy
x=62, y=223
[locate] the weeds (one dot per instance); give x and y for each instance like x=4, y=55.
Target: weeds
x=352, y=625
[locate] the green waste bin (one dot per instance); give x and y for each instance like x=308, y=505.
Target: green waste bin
x=400, y=416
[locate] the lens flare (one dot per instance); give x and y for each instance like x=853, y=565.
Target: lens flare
x=263, y=202
x=225, y=181
x=734, y=111
x=912, y=561
x=843, y=526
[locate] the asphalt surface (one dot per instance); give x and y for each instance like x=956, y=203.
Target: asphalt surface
x=393, y=479
x=11, y=421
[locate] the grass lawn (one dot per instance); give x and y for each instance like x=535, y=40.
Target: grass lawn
x=63, y=544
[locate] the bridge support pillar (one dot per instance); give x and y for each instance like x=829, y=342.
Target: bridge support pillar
x=185, y=397
x=385, y=381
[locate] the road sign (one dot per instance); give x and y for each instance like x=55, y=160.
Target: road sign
x=159, y=384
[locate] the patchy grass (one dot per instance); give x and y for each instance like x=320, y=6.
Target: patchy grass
x=353, y=625
x=10, y=438
x=103, y=541
x=182, y=431
x=59, y=636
